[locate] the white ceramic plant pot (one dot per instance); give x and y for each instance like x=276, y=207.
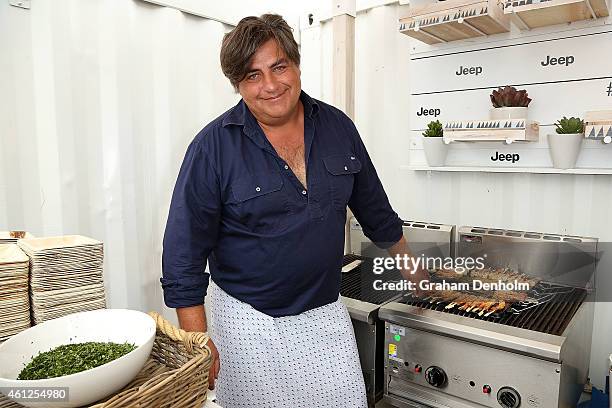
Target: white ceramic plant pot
x=508, y=113
x=564, y=149
x=435, y=150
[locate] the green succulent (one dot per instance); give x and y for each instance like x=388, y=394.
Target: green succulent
x=569, y=126
x=434, y=129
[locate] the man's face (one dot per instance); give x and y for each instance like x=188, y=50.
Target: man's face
x=271, y=88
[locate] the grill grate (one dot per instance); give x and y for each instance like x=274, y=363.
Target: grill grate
x=354, y=286
x=551, y=316
x=555, y=307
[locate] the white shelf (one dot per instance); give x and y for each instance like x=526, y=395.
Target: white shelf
x=538, y=170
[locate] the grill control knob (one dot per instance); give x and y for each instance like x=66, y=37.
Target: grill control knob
x=435, y=376
x=508, y=397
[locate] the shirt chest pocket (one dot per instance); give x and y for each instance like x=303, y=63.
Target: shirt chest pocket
x=341, y=169
x=261, y=203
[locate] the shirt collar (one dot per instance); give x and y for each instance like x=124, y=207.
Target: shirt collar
x=237, y=115
x=311, y=107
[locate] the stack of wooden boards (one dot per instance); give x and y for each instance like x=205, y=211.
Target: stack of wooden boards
x=46, y=278
x=66, y=275
x=14, y=298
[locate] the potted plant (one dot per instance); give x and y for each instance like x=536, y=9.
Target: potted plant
x=435, y=148
x=565, y=143
x=509, y=103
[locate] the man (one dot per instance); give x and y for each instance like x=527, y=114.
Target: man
x=262, y=194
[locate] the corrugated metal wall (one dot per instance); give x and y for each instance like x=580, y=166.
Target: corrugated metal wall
x=98, y=102
x=568, y=204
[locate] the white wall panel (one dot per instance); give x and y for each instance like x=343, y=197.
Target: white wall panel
x=386, y=77
x=311, y=51
x=516, y=62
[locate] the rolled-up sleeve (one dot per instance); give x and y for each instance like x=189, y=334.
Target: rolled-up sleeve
x=369, y=202
x=191, y=231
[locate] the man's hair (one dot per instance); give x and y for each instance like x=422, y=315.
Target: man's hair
x=242, y=42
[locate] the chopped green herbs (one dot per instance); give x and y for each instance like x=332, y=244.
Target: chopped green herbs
x=73, y=358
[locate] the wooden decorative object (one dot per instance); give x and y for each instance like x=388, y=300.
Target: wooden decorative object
x=455, y=20
x=515, y=130
x=529, y=14
x=598, y=125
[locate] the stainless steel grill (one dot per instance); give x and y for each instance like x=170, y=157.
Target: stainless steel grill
x=363, y=302
x=535, y=353
x=356, y=284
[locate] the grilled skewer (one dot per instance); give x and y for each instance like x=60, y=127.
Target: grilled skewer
x=487, y=275
x=485, y=305
x=510, y=296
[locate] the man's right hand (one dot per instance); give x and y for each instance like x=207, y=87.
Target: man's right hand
x=193, y=319
x=213, y=373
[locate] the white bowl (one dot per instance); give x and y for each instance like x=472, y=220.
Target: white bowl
x=86, y=387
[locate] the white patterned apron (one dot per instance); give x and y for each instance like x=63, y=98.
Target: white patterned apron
x=305, y=361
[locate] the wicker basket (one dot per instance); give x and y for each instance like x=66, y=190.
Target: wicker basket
x=175, y=376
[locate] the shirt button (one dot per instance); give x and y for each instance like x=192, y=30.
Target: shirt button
x=257, y=188
x=345, y=168
x=352, y=157
x=304, y=192
x=286, y=167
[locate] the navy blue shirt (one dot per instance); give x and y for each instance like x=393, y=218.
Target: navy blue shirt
x=269, y=241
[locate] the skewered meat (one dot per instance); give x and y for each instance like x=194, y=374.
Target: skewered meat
x=485, y=305
x=510, y=296
x=486, y=275
x=448, y=273
x=443, y=296
x=506, y=275
x=460, y=300
x=500, y=306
